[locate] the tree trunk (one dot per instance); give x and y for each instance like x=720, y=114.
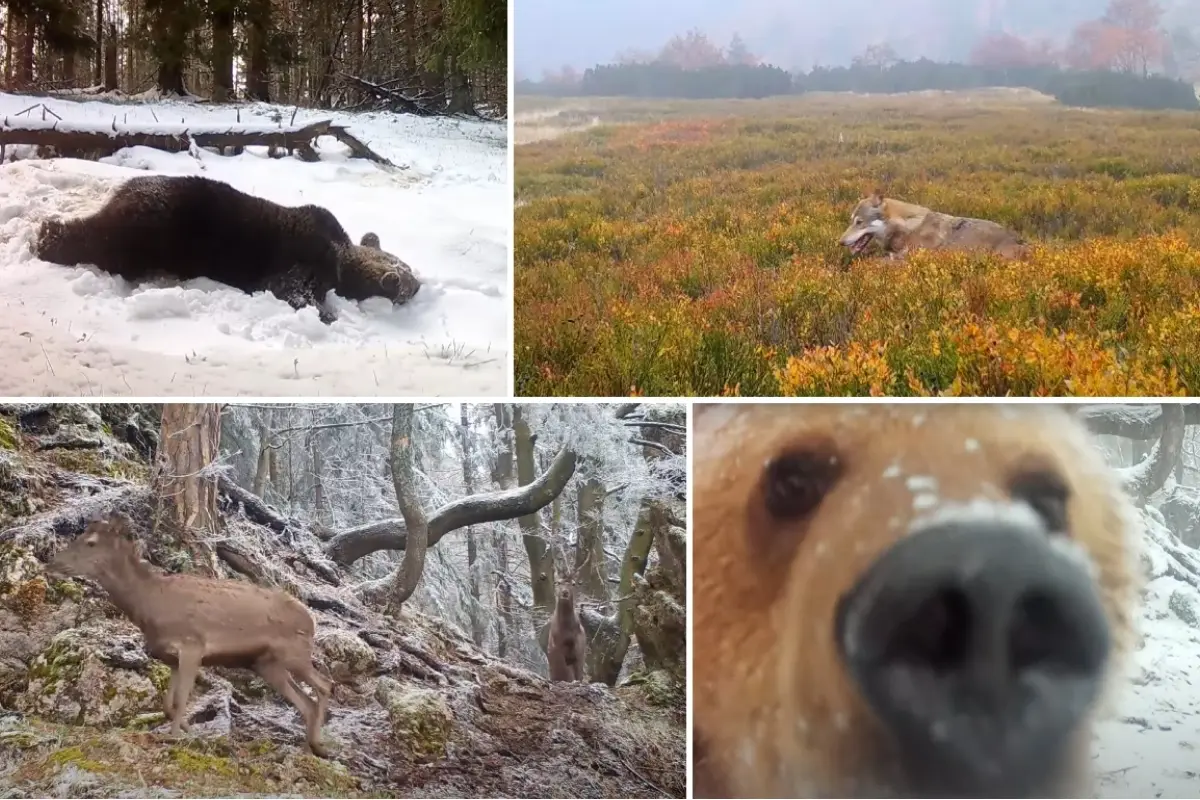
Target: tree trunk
x=541, y=555
x=411, y=25
x=258, y=68
x=608, y=650
x=318, y=472
x=405, y=581
x=28, y=38
x=169, y=29
x=110, y=59
x=186, y=484
x=100, y=43
x=590, y=572
x=461, y=99
x=222, y=51
x=502, y=476
x=478, y=627
x=1150, y=473
x=264, y=470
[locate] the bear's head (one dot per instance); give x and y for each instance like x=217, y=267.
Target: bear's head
x=366, y=270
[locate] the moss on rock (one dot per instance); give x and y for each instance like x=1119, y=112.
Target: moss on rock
x=23, y=587
x=9, y=438
x=70, y=682
x=658, y=688
x=99, y=463
x=421, y=721
x=192, y=761
x=347, y=657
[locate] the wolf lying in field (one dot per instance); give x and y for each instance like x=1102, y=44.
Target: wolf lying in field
x=899, y=227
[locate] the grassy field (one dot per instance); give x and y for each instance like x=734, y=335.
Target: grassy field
x=690, y=248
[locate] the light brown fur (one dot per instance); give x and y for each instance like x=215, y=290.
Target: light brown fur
x=775, y=713
x=566, y=650
x=902, y=227
x=189, y=622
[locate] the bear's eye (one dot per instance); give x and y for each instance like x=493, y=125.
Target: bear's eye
x=1046, y=493
x=796, y=481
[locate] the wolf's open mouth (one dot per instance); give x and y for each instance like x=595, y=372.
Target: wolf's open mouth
x=861, y=243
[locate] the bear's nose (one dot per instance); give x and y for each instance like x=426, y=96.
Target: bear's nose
x=980, y=647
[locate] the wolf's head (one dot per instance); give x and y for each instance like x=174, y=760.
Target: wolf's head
x=867, y=224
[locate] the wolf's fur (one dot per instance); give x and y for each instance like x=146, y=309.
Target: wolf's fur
x=192, y=227
x=898, y=227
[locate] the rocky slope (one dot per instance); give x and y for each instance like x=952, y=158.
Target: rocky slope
x=418, y=710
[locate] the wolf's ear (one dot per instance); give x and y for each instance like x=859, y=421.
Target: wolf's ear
x=877, y=197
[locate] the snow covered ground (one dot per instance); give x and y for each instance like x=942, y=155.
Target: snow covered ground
x=76, y=331
x=1150, y=745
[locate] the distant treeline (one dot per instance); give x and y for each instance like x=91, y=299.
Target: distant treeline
x=1070, y=87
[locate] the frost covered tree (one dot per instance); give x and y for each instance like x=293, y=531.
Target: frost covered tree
x=475, y=513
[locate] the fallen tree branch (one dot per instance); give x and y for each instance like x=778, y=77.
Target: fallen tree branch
x=390, y=534
x=1141, y=421
x=80, y=141
x=255, y=509
x=391, y=99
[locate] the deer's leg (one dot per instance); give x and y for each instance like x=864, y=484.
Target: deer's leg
x=183, y=679
x=169, y=699
x=277, y=675
x=322, y=687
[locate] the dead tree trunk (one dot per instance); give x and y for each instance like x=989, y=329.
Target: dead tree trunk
x=186, y=483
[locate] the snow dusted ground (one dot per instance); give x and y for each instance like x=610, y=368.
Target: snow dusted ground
x=76, y=331
x=1150, y=745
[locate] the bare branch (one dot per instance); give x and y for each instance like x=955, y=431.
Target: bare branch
x=352, y=544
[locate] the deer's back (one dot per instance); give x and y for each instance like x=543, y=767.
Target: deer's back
x=234, y=621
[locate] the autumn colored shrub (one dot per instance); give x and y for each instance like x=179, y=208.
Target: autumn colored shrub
x=699, y=256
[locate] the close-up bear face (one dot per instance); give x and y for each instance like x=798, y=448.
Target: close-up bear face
x=902, y=601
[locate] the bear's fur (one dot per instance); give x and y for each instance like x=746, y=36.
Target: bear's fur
x=193, y=227
x=776, y=713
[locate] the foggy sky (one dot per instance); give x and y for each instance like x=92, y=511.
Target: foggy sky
x=789, y=33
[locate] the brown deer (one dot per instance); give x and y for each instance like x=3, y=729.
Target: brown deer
x=189, y=622
x=566, y=648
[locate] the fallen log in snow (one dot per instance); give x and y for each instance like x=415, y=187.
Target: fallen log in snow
x=74, y=140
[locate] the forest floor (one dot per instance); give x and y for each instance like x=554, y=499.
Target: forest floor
x=81, y=332
x=668, y=248
x=417, y=710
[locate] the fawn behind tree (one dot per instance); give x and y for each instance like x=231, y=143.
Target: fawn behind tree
x=189, y=622
x=567, y=643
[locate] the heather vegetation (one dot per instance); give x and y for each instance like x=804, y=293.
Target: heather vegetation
x=694, y=251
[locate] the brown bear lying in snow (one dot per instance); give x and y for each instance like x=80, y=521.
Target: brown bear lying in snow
x=193, y=227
